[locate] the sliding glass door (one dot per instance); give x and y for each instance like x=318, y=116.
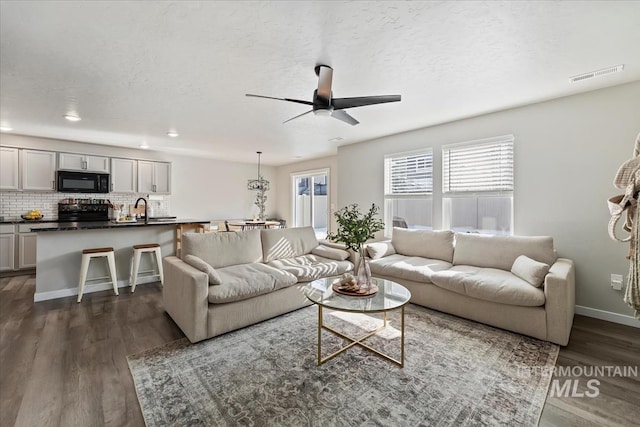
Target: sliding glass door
x=311, y=201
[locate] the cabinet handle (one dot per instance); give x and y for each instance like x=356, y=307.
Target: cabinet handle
x=154, y=188
x=112, y=186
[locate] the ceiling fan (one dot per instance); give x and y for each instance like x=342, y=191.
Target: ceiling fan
x=325, y=105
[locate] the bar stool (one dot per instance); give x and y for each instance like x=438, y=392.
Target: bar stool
x=138, y=250
x=87, y=255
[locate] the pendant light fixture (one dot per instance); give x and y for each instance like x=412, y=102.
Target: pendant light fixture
x=260, y=185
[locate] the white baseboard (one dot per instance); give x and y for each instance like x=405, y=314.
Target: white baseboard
x=95, y=287
x=608, y=316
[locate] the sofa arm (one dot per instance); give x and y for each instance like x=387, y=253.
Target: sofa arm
x=185, y=296
x=559, y=292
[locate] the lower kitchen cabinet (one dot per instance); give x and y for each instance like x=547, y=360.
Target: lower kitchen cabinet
x=27, y=250
x=7, y=252
x=19, y=246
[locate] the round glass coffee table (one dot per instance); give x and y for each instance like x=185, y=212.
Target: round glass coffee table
x=390, y=296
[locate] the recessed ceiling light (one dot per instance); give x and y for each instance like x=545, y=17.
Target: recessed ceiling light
x=5, y=128
x=144, y=146
x=72, y=117
x=337, y=138
x=172, y=134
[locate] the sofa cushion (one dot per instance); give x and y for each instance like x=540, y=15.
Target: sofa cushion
x=311, y=267
x=417, y=269
x=239, y=282
x=331, y=253
x=424, y=243
x=483, y=250
x=223, y=249
x=489, y=284
x=532, y=271
x=281, y=243
x=380, y=249
x=195, y=262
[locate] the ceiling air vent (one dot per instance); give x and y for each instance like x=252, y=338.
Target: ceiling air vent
x=599, y=73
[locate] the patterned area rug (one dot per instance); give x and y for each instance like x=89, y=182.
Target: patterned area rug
x=457, y=373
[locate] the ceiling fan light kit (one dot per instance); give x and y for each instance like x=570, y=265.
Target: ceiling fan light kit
x=325, y=105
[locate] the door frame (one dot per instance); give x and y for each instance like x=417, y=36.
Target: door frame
x=293, y=193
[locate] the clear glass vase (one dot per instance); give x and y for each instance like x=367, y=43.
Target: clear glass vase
x=363, y=271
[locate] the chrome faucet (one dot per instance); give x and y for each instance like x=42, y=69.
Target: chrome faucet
x=146, y=218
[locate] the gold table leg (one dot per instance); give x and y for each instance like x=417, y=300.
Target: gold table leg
x=359, y=341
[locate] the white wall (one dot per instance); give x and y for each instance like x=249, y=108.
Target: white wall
x=567, y=152
x=218, y=189
x=201, y=188
x=285, y=192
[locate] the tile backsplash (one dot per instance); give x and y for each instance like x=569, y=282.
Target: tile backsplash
x=14, y=203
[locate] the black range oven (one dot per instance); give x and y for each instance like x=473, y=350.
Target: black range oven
x=83, y=212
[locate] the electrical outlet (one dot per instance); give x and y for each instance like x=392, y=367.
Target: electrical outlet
x=616, y=281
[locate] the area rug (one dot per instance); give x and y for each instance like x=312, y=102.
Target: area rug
x=456, y=373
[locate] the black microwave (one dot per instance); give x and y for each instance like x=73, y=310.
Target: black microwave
x=83, y=182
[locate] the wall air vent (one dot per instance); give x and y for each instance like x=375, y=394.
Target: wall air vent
x=599, y=73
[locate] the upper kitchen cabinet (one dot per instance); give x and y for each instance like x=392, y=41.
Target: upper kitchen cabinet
x=154, y=177
x=124, y=175
x=38, y=170
x=9, y=167
x=83, y=163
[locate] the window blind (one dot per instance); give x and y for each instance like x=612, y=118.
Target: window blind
x=409, y=174
x=482, y=166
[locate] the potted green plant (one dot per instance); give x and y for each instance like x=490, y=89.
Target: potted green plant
x=354, y=229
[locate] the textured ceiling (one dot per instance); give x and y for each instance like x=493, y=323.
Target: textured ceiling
x=134, y=70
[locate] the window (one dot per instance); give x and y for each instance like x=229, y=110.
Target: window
x=477, y=183
x=408, y=188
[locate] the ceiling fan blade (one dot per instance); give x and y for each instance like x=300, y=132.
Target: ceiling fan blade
x=344, y=116
x=280, y=99
x=299, y=115
x=325, y=77
x=361, y=101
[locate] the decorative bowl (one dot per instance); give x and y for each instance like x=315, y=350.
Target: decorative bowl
x=31, y=218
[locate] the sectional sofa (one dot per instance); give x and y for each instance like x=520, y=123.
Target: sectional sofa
x=225, y=281
x=512, y=282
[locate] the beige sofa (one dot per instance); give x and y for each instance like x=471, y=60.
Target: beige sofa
x=225, y=281
x=515, y=283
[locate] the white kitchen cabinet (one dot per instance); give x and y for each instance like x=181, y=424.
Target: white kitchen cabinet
x=124, y=175
x=154, y=177
x=7, y=252
x=83, y=163
x=27, y=250
x=38, y=170
x=9, y=168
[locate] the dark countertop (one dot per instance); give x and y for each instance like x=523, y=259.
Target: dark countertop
x=25, y=221
x=68, y=226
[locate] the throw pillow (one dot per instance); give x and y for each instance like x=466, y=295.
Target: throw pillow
x=195, y=262
x=530, y=270
x=331, y=253
x=380, y=249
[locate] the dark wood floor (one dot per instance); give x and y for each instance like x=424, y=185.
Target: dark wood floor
x=64, y=364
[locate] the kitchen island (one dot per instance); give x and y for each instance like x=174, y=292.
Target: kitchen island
x=60, y=250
